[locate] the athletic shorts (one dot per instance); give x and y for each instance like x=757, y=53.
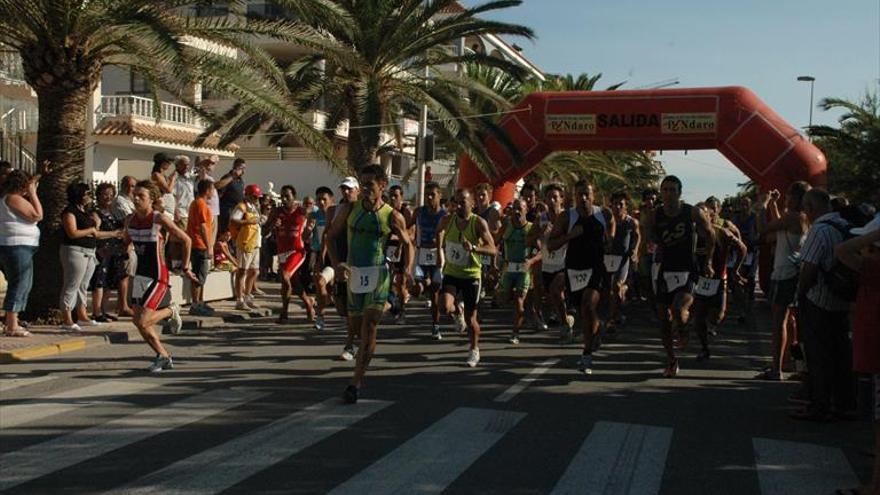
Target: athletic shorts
x=665, y=297
x=548, y=277
x=468, y=288
x=201, y=265
x=715, y=301
x=375, y=300
x=248, y=261
x=291, y=261
x=622, y=273
x=645, y=263
x=783, y=292
x=429, y=273
x=515, y=282
x=149, y=293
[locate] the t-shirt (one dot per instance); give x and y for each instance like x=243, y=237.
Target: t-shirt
x=866, y=319
x=199, y=214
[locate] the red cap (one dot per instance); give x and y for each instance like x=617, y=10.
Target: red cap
x=253, y=190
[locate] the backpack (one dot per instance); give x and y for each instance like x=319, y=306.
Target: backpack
x=842, y=281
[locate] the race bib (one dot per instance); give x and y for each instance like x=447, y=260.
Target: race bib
x=516, y=267
x=392, y=253
x=613, y=262
x=428, y=256
x=363, y=279
x=707, y=287
x=578, y=279
x=674, y=280
x=456, y=254
x=553, y=261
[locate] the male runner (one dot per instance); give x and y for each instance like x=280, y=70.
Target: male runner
x=289, y=222
x=551, y=281
x=428, y=275
x=744, y=294
x=349, y=190
x=319, y=263
x=647, y=246
x=623, y=253
x=675, y=226
x=492, y=217
x=395, y=255
x=464, y=237
x=583, y=229
x=519, y=243
x=368, y=222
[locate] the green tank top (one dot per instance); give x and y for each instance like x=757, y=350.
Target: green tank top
x=472, y=268
x=367, y=235
x=516, y=249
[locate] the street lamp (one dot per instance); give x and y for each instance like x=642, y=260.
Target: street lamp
x=811, y=80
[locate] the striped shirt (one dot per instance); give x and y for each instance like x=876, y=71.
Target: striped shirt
x=818, y=249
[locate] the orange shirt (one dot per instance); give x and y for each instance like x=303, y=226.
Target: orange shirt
x=199, y=214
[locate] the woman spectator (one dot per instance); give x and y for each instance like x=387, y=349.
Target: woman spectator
x=111, y=255
x=78, y=242
x=161, y=164
x=20, y=210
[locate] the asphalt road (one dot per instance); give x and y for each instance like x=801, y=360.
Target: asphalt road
x=253, y=407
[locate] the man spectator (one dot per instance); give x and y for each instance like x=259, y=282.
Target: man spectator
x=123, y=205
x=248, y=240
x=206, y=171
x=184, y=194
x=231, y=190
x=199, y=226
x=822, y=316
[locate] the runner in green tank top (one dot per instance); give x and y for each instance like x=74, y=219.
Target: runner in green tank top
x=367, y=223
x=519, y=244
x=464, y=237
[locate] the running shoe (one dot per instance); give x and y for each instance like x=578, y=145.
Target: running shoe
x=585, y=364
x=514, y=339
x=435, y=332
x=350, y=396
x=473, y=358
x=348, y=353
x=569, y=321
x=174, y=321
x=540, y=325
x=671, y=370
x=712, y=329
x=460, y=322
x=160, y=364
x=319, y=323
x=250, y=303
x=71, y=328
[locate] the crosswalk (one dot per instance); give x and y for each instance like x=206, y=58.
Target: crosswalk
x=611, y=457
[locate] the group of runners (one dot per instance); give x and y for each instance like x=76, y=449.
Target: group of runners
x=554, y=255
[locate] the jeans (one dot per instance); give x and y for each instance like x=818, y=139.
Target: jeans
x=17, y=263
x=829, y=357
x=78, y=265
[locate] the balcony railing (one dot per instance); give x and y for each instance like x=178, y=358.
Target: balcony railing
x=138, y=106
x=10, y=66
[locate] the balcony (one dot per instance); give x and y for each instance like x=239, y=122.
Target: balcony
x=142, y=108
x=11, y=70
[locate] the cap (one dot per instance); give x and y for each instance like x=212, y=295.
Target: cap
x=350, y=182
x=162, y=158
x=253, y=190
x=868, y=228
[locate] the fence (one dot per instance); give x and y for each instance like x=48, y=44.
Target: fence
x=139, y=106
x=12, y=150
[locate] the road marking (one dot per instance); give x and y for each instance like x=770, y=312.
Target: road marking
x=527, y=380
x=214, y=470
x=802, y=468
x=100, y=393
x=7, y=384
x=618, y=458
x=65, y=451
x=434, y=458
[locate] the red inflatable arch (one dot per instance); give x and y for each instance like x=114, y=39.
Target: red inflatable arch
x=732, y=120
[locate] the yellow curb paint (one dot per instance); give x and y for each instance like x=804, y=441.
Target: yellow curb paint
x=42, y=350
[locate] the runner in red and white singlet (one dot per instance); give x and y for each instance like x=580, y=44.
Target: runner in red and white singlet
x=289, y=222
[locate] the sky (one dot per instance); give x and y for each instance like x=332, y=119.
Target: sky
x=762, y=45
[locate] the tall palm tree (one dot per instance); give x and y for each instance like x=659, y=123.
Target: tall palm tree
x=65, y=44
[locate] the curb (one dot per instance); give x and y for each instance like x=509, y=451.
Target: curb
x=61, y=346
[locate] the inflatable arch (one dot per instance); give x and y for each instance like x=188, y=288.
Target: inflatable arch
x=732, y=120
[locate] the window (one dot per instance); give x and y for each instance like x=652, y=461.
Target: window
x=139, y=85
x=268, y=10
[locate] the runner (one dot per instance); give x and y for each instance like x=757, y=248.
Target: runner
x=396, y=257
x=623, y=253
x=464, y=237
x=724, y=228
x=428, y=276
x=584, y=230
x=647, y=246
x=150, y=294
x=319, y=263
x=349, y=189
x=551, y=282
x=675, y=226
x=519, y=242
x=289, y=222
x=529, y=194
x=744, y=294
x=485, y=209
x=368, y=223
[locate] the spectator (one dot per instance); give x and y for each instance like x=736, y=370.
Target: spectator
x=823, y=318
x=78, y=242
x=5, y=168
x=184, y=193
x=123, y=206
x=862, y=254
x=231, y=189
x=246, y=220
x=111, y=255
x=161, y=165
x=429, y=176
x=199, y=227
x=223, y=258
x=206, y=171
x=20, y=210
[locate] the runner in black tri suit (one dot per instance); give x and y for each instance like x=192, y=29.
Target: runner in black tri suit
x=621, y=258
x=675, y=226
x=583, y=228
x=397, y=258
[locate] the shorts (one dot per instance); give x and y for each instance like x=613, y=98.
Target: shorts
x=248, y=261
x=716, y=301
x=548, y=277
x=201, y=265
x=149, y=293
x=645, y=263
x=595, y=283
x=468, y=288
x=291, y=261
x=783, y=292
x=621, y=275
x=665, y=297
x=358, y=304
x=515, y=282
x=430, y=273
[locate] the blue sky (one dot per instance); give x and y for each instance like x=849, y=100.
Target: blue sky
x=763, y=45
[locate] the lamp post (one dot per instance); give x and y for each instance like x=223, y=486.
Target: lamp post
x=811, y=80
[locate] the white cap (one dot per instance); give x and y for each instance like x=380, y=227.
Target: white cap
x=350, y=182
x=868, y=228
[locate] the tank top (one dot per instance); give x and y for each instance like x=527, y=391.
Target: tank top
x=472, y=269
x=14, y=231
x=719, y=254
x=621, y=245
x=516, y=249
x=787, y=244
x=587, y=251
x=320, y=225
x=109, y=223
x=393, y=243
x=553, y=261
x=367, y=235
x=289, y=235
x=84, y=220
x=146, y=237
x=676, y=240
x=427, y=223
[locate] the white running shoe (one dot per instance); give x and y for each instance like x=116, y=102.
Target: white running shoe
x=540, y=325
x=435, y=332
x=473, y=358
x=71, y=328
x=348, y=353
x=514, y=339
x=89, y=323
x=174, y=321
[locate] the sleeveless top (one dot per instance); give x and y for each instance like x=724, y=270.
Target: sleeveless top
x=676, y=239
x=427, y=223
x=393, y=239
x=623, y=237
x=473, y=268
x=109, y=223
x=787, y=244
x=516, y=249
x=367, y=234
x=84, y=220
x=289, y=235
x=14, y=231
x=320, y=225
x=587, y=251
x=719, y=254
x=550, y=267
x=149, y=246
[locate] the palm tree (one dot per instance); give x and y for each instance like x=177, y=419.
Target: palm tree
x=66, y=44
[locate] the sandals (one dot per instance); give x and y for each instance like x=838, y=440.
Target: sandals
x=18, y=332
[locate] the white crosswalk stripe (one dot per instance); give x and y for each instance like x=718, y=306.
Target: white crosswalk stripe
x=39, y=460
x=802, y=468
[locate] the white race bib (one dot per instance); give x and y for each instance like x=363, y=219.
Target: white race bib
x=456, y=254
x=674, y=280
x=707, y=287
x=428, y=256
x=392, y=253
x=613, y=262
x=516, y=267
x=363, y=279
x=578, y=279
x=553, y=261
